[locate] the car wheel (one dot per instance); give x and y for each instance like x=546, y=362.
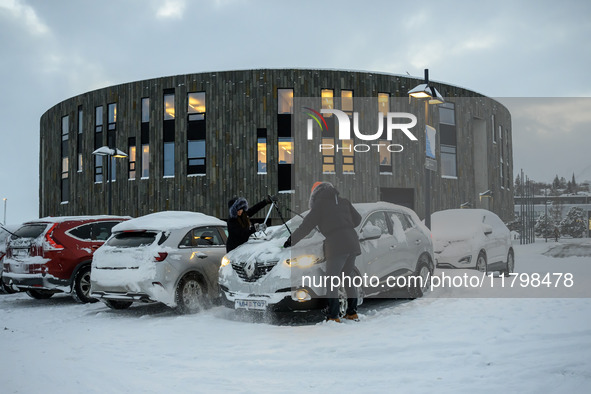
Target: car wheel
x=39, y=294
x=481, y=264
x=510, y=263
x=191, y=294
x=81, y=286
x=117, y=304
x=422, y=279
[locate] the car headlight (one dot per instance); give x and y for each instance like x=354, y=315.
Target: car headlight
x=465, y=260
x=225, y=261
x=304, y=261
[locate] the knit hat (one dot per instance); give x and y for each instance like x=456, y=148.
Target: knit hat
x=315, y=185
x=238, y=204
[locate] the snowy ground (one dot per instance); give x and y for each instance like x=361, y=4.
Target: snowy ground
x=431, y=344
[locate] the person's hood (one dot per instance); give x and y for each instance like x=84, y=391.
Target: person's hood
x=324, y=191
x=239, y=203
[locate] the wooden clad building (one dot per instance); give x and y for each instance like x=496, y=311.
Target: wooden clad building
x=194, y=141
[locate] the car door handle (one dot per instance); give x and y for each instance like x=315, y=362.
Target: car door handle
x=393, y=246
x=95, y=246
x=418, y=241
x=202, y=255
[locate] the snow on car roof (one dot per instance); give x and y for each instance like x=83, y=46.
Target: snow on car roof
x=457, y=223
x=169, y=220
x=366, y=207
x=61, y=219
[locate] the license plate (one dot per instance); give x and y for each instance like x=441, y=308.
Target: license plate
x=258, y=305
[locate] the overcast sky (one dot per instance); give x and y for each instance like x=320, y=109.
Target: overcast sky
x=53, y=50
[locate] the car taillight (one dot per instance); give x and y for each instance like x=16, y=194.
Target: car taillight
x=161, y=256
x=50, y=240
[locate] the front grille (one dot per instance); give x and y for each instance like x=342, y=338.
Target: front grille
x=260, y=269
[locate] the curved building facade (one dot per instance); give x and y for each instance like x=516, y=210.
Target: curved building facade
x=194, y=141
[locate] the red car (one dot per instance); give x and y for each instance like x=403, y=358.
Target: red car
x=53, y=255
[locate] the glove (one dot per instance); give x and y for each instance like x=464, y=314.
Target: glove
x=287, y=243
x=260, y=227
x=271, y=199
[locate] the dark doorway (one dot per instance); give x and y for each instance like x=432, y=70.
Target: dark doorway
x=398, y=195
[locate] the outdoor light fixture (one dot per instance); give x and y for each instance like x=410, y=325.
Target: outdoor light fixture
x=425, y=90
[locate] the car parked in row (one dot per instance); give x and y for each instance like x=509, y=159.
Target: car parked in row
x=472, y=238
x=52, y=255
x=5, y=232
x=262, y=275
x=168, y=257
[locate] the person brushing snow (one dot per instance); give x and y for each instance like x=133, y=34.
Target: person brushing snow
x=239, y=226
x=336, y=219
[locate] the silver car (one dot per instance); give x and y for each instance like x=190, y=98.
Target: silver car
x=167, y=257
x=262, y=275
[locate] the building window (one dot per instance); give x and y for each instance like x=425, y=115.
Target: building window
x=285, y=150
x=196, y=106
x=196, y=126
x=131, y=152
x=169, y=159
x=494, y=130
x=448, y=139
x=145, y=138
x=262, y=151
x=385, y=156
x=348, y=157
x=168, y=106
x=168, y=133
x=502, y=164
x=347, y=102
x=327, y=100
x=98, y=142
x=112, y=112
x=328, y=156
x=65, y=184
x=79, y=140
x=285, y=101
x=384, y=103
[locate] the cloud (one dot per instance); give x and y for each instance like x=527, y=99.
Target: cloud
x=24, y=14
x=171, y=9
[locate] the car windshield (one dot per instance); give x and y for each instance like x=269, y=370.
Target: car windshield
x=30, y=231
x=293, y=224
x=132, y=239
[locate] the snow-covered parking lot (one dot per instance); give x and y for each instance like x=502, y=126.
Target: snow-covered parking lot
x=431, y=344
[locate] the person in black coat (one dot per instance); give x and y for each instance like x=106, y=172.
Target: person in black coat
x=336, y=218
x=239, y=226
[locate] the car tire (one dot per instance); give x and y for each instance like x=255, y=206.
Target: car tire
x=40, y=294
x=191, y=294
x=510, y=263
x=417, y=288
x=481, y=264
x=118, y=304
x=81, y=286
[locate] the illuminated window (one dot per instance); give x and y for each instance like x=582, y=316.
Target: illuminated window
x=285, y=101
x=131, y=152
x=347, y=102
x=145, y=160
x=168, y=106
x=145, y=138
x=385, y=156
x=285, y=150
x=327, y=100
x=196, y=159
x=348, y=156
x=196, y=106
x=328, y=161
x=262, y=151
x=112, y=111
x=384, y=103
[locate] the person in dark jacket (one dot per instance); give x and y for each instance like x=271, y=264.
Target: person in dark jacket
x=239, y=226
x=336, y=218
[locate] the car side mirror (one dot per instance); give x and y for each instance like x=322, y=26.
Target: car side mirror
x=370, y=232
x=487, y=229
